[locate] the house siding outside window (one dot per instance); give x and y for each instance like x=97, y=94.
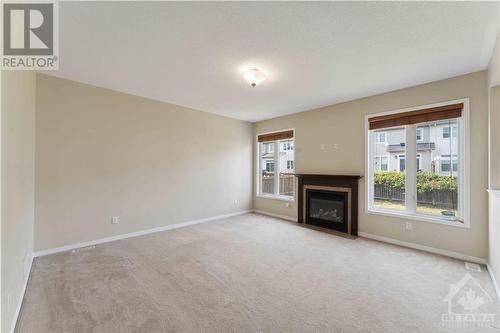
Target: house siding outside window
x=277, y=169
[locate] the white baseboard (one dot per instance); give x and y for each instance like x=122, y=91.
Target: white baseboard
x=134, y=234
x=492, y=276
x=434, y=250
x=283, y=217
x=21, y=297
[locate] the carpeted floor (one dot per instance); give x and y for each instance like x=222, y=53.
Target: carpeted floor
x=248, y=273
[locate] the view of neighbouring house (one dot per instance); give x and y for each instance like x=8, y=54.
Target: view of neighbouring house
x=437, y=166
x=437, y=146
x=285, y=156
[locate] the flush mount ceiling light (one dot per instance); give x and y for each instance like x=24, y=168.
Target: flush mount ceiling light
x=254, y=77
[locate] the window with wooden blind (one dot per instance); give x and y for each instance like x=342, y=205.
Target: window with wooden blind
x=276, y=156
x=417, y=163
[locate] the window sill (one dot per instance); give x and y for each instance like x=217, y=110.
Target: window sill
x=415, y=217
x=276, y=197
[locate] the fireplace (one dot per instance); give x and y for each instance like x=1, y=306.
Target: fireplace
x=329, y=201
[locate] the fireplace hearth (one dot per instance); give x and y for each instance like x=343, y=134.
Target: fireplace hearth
x=329, y=201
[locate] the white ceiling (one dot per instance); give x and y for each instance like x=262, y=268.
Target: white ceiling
x=315, y=54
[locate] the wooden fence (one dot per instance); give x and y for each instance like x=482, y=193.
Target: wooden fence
x=441, y=198
x=287, y=183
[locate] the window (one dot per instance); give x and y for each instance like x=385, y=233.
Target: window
x=446, y=132
x=268, y=147
x=389, y=161
x=267, y=173
x=430, y=185
x=380, y=137
x=420, y=134
x=401, y=163
x=449, y=130
x=276, y=160
x=447, y=166
x=270, y=166
x=381, y=163
x=286, y=146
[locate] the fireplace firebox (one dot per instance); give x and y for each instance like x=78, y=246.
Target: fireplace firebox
x=327, y=209
x=329, y=201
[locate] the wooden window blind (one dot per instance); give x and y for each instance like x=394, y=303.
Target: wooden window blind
x=418, y=116
x=275, y=136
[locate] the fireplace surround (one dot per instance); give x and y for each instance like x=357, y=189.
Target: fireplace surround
x=329, y=201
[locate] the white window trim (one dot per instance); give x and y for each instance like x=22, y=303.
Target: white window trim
x=464, y=172
x=276, y=168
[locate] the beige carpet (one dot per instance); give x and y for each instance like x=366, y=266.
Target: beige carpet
x=243, y=274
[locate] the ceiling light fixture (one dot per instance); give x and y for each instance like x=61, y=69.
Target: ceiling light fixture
x=254, y=77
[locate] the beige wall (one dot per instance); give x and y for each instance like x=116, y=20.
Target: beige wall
x=343, y=124
x=17, y=187
x=101, y=153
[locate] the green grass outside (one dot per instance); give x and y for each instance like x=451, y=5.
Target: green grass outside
x=423, y=209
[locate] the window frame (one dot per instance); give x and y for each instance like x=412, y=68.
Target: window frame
x=411, y=164
x=276, y=151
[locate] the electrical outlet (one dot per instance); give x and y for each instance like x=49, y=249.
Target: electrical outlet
x=114, y=220
x=235, y=201
x=409, y=226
